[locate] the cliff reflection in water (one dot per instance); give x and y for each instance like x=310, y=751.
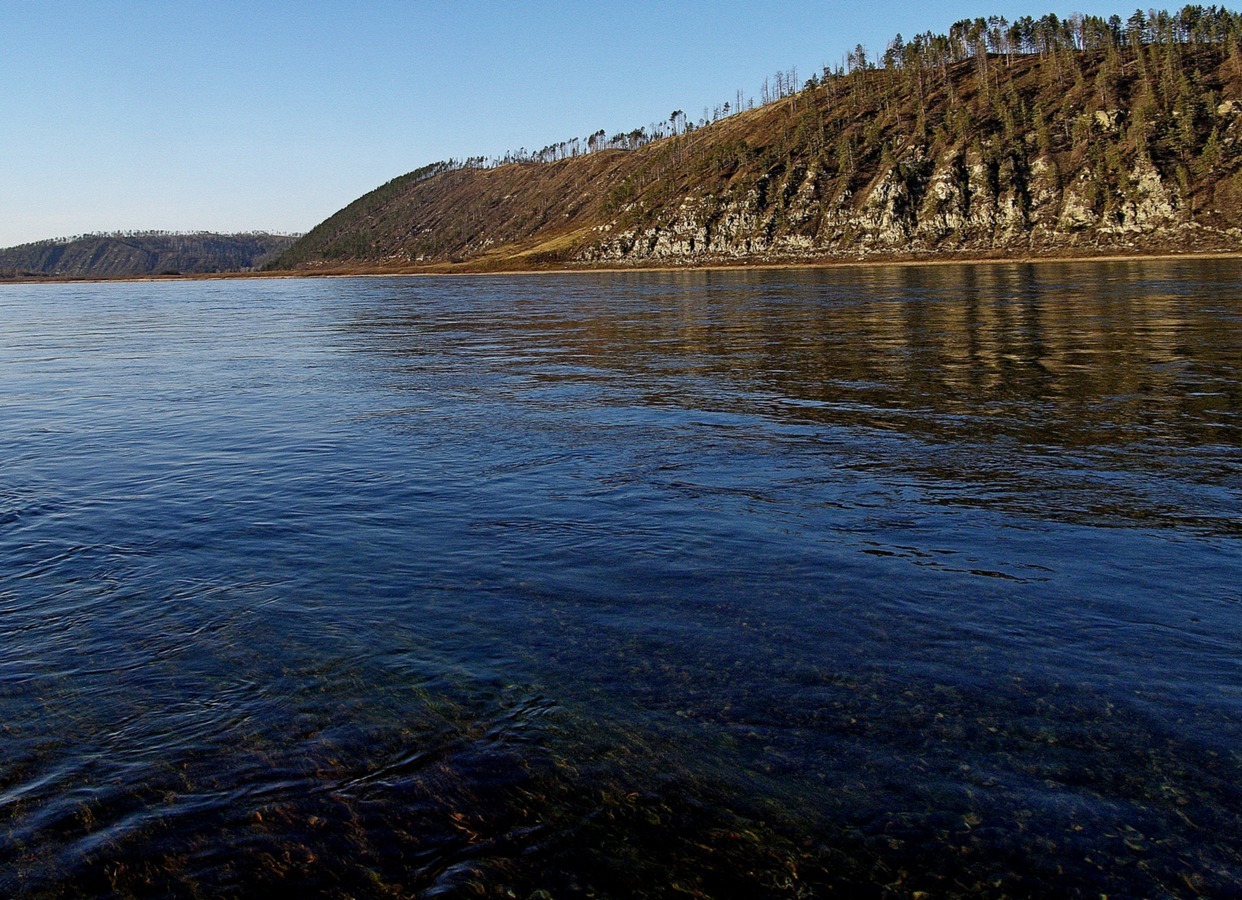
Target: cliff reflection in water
x=1004, y=374
x=1040, y=353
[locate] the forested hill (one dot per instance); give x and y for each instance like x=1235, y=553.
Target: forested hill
x=1049, y=135
x=142, y=253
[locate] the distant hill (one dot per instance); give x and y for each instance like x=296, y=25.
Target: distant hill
x=1038, y=136
x=143, y=253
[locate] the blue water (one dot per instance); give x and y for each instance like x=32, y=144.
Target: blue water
x=750, y=583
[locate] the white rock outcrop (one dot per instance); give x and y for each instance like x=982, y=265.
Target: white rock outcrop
x=962, y=200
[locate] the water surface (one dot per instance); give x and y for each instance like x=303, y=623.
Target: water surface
x=762, y=583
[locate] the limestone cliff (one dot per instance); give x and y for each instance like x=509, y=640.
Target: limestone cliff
x=1081, y=152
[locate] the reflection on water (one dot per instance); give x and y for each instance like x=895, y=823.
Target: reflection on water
x=896, y=579
x=1030, y=361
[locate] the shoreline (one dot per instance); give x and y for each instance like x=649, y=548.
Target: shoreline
x=449, y=270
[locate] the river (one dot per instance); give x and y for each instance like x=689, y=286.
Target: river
x=736, y=583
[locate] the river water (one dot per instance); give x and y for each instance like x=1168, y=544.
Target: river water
x=766, y=583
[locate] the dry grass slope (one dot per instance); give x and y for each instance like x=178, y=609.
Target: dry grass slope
x=1126, y=149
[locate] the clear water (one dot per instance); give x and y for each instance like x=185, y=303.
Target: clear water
x=758, y=583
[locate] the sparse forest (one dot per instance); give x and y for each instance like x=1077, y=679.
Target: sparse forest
x=1038, y=134
x=139, y=253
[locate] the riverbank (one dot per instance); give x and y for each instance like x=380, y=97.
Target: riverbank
x=485, y=267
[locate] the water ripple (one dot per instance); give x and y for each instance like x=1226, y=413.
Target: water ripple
x=749, y=583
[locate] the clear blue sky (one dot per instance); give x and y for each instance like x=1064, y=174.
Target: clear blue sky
x=227, y=116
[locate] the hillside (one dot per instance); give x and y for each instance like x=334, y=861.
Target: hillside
x=140, y=254
x=1036, y=137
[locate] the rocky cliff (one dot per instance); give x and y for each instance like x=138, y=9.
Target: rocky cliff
x=955, y=202
x=1116, y=149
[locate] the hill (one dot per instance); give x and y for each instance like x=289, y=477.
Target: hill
x=1040, y=136
x=142, y=253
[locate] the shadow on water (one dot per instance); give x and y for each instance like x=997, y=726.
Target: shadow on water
x=873, y=581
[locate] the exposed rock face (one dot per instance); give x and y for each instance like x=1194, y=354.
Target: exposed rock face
x=960, y=201
x=1149, y=206
x=1036, y=155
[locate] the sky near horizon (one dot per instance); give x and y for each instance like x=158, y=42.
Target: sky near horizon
x=239, y=116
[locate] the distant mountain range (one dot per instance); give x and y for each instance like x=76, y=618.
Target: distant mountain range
x=1042, y=136
x=135, y=254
